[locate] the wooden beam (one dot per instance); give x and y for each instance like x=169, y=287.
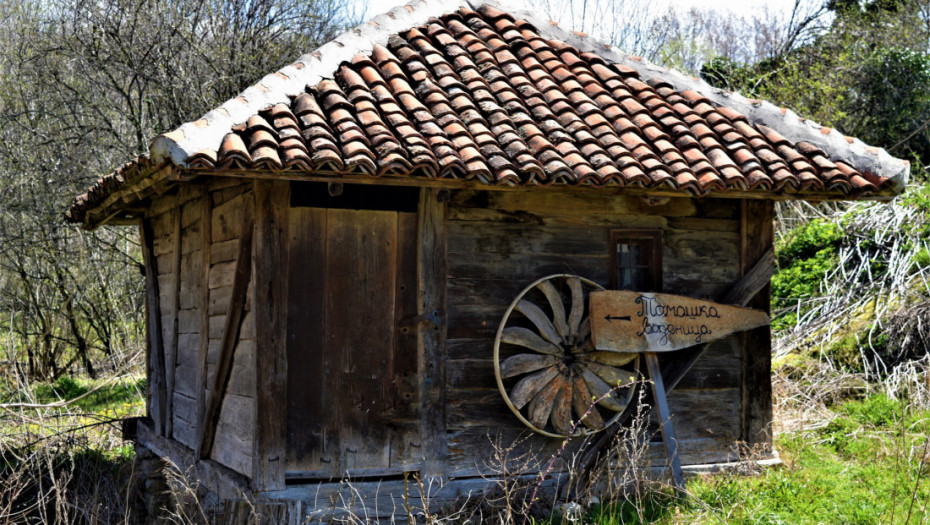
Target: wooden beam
x=269, y=308
x=206, y=233
x=234, y=316
x=431, y=337
x=758, y=236
x=753, y=281
x=742, y=294
x=154, y=347
x=475, y=184
x=220, y=480
x=171, y=359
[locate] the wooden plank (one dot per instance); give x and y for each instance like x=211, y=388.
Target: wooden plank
x=154, y=347
x=224, y=191
x=522, y=269
x=628, y=321
x=224, y=251
x=387, y=501
x=190, y=236
x=536, y=239
x=702, y=224
x=242, y=380
x=234, y=443
x=705, y=413
x=567, y=203
x=405, y=391
x=184, y=414
x=212, y=476
x=219, y=300
x=431, y=340
x=754, y=280
x=190, y=280
x=230, y=332
x=269, y=318
x=222, y=275
x=359, y=310
x=186, y=379
x=171, y=359
x=309, y=448
x=757, y=241
x=188, y=323
x=227, y=218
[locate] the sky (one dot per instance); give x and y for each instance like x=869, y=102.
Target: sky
x=742, y=8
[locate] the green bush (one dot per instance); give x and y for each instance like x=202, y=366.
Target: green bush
x=803, y=259
x=808, y=241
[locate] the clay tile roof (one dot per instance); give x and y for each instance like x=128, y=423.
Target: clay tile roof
x=436, y=89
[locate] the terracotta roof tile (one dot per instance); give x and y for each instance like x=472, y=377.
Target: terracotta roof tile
x=487, y=96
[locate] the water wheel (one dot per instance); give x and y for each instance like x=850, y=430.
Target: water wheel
x=547, y=368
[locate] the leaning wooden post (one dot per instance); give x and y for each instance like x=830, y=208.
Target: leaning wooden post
x=665, y=420
x=269, y=307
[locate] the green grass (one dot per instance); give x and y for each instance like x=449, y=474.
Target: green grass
x=862, y=467
x=116, y=398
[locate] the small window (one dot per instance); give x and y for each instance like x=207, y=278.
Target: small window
x=636, y=260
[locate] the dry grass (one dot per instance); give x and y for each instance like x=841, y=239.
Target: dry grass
x=60, y=464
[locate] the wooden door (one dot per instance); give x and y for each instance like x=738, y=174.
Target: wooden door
x=352, y=367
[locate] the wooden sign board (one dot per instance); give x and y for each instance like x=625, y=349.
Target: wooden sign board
x=628, y=321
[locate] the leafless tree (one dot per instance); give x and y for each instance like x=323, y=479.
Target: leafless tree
x=84, y=85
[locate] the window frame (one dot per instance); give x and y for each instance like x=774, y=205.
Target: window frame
x=653, y=253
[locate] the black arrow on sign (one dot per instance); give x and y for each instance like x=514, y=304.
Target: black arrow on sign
x=610, y=318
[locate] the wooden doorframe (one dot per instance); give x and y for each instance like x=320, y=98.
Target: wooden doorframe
x=269, y=308
x=432, y=250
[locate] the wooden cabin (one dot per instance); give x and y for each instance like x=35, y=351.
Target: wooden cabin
x=332, y=256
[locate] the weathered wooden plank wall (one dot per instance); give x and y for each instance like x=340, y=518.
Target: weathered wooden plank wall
x=499, y=242
x=233, y=442
x=194, y=238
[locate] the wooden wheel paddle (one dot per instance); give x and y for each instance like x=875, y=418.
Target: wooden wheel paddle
x=547, y=368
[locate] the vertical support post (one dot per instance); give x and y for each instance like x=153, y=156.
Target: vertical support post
x=206, y=234
x=665, y=420
x=154, y=346
x=171, y=358
x=758, y=234
x=269, y=307
x=431, y=337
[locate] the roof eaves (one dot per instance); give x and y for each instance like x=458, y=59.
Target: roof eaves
x=208, y=132
x=864, y=158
